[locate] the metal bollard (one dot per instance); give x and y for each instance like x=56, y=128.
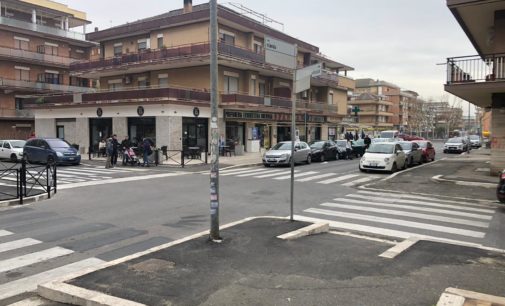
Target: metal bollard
x=156, y=157
x=55, y=178
x=89, y=153
x=182, y=158
x=48, y=182
x=206, y=157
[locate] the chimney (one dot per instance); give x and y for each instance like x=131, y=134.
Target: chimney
x=188, y=6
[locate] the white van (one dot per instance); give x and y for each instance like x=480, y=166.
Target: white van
x=390, y=134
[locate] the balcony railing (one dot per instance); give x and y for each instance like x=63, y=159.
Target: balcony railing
x=40, y=86
x=35, y=56
x=471, y=69
x=41, y=28
x=15, y=113
x=278, y=102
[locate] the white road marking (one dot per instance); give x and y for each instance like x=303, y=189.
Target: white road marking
x=286, y=177
x=243, y=172
x=255, y=173
x=275, y=174
x=424, y=203
x=416, y=197
x=377, y=230
x=338, y=179
x=240, y=169
x=359, y=181
x=409, y=214
x=32, y=258
x=418, y=208
x=30, y=283
x=311, y=178
x=424, y=226
x=4, y=233
x=17, y=244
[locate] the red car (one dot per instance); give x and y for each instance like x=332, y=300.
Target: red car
x=427, y=149
x=410, y=137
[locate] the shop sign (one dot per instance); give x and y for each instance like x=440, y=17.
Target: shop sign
x=231, y=114
x=196, y=112
x=331, y=131
x=140, y=111
x=99, y=112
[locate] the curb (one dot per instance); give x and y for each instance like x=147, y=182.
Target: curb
x=440, y=179
x=28, y=200
x=60, y=291
x=460, y=297
x=313, y=229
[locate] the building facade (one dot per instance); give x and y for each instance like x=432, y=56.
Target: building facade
x=154, y=82
x=480, y=79
x=375, y=111
x=37, y=47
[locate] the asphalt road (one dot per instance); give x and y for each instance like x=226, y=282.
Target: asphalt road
x=102, y=215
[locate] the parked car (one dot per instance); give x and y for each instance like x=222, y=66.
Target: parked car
x=500, y=190
x=11, y=149
x=51, y=150
x=342, y=149
x=383, y=156
x=322, y=150
x=410, y=137
x=280, y=154
x=376, y=140
x=413, y=155
x=456, y=144
x=427, y=149
x=358, y=147
x=475, y=141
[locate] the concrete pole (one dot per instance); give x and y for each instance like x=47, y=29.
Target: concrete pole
x=293, y=138
x=214, y=129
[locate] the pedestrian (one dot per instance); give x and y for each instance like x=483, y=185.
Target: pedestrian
x=102, y=148
x=146, y=145
x=348, y=150
x=362, y=134
x=108, y=152
x=356, y=137
x=125, y=145
x=367, y=141
x=115, y=148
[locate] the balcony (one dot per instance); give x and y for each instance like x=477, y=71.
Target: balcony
x=370, y=102
x=16, y=113
x=35, y=57
x=476, y=78
x=40, y=86
x=24, y=25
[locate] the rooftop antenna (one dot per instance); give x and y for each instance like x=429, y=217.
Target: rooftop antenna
x=262, y=17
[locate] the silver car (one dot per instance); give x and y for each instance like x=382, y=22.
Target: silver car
x=413, y=154
x=475, y=141
x=280, y=154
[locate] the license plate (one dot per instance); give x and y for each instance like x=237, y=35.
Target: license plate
x=373, y=164
x=271, y=160
x=70, y=158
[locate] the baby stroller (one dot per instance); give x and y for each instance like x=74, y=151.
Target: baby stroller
x=130, y=158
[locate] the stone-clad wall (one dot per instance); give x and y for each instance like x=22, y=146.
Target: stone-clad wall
x=82, y=134
x=162, y=131
x=175, y=133
x=45, y=127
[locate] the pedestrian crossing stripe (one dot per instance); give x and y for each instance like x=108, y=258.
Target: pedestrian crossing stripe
x=5, y=233
x=359, y=181
x=33, y=258
x=17, y=244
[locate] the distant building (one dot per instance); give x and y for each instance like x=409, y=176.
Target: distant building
x=375, y=114
x=37, y=47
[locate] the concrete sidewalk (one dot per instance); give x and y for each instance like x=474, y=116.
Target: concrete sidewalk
x=254, y=267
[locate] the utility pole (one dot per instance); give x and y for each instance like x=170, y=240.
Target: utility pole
x=214, y=130
x=293, y=138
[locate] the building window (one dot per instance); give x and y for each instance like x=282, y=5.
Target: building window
x=163, y=82
x=22, y=74
x=261, y=88
x=258, y=48
x=143, y=83
x=115, y=86
x=118, y=50
x=21, y=44
x=230, y=84
x=18, y=103
x=160, y=42
x=227, y=38
x=60, y=132
x=253, y=87
x=142, y=46
x=47, y=49
x=330, y=98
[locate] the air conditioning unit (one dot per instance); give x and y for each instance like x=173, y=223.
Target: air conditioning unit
x=127, y=79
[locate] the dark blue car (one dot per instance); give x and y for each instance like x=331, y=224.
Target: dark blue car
x=51, y=150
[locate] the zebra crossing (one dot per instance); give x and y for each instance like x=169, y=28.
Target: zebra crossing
x=312, y=176
x=31, y=255
x=404, y=215
x=69, y=175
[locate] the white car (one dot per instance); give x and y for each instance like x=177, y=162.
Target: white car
x=11, y=149
x=383, y=156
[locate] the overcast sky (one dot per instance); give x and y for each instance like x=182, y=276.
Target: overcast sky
x=400, y=41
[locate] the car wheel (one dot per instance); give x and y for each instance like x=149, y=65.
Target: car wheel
x=309, y=159
x=14, y=158
x=321, y=159
x=424, y=159
x=266, y=165
x=394, y=168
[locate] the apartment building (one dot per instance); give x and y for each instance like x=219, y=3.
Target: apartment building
x=37, y=47
x=375, y=111
x=480, y=79
x=154, y=77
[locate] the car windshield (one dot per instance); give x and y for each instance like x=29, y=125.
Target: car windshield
x=381, y=148
x=406, y=145
x=454, y=140
x=316, y=145
x=282, y=146
x=18, y=144
x=57, y=143
x=382, y=140
x=341, y=143
x=474, y=137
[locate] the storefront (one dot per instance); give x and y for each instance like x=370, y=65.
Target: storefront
x=235, y=132
x=99, y=128
x=140, y=128
x=195, y=132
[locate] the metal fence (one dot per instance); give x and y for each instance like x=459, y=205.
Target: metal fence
x=22, y=180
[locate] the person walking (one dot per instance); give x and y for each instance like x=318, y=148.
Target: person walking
x=125, y=145
x=108, y=152
x=115, y=148
x=348, y=150
x=146, y=145
x=367, y=141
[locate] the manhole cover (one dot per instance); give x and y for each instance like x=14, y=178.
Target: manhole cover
x=153, y=265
